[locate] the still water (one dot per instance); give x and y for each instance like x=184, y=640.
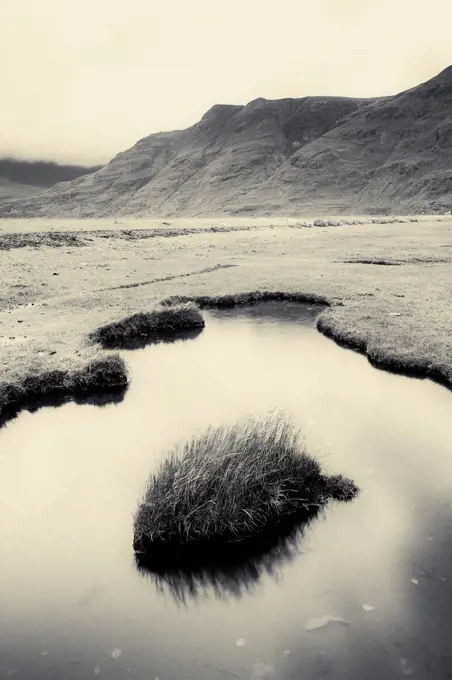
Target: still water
x=73, y=603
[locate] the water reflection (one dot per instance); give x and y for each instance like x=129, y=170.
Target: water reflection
x=55, y=400
x=226, y=570
x=143, y=341
x=263, y=313
x=70, y=479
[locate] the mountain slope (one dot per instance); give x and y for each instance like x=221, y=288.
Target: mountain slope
x=329, y=154
x=396, y=154
x=197, y=170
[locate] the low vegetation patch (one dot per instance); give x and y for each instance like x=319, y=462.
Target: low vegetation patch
x=427, y=260
x=328, y=222
x=159, y=324
x=107, y=376
x=373, y=260
x=233, y=482
x=139, y=234
x=399, y=262
x=37, y=239
x=254, y=297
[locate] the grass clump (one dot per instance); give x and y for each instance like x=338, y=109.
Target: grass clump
x=106, y=376
x=159, y=324
x=233, y=482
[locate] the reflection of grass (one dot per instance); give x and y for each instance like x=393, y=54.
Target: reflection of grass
x=52, y=388
x=231, y=483
x=231, y=569
x=143, y=341
x=158, y=324
x=227, y=301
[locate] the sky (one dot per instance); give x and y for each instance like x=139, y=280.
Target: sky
x=85, y=79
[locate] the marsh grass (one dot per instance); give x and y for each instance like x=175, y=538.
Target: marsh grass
x=233, y=482
x=159, y=324
x=250, y=298
x=399, y=262
x=372, y=260
x=40, y=239
x=381, y=358
x=101, y=381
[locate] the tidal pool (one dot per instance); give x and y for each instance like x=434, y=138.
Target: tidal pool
x=363, y=592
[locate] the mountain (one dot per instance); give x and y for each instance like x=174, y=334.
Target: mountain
x=288, y=156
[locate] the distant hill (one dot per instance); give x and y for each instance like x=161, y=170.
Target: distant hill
x=13, y=190
x=288, y=156
x=21, y=178
x=41, y=173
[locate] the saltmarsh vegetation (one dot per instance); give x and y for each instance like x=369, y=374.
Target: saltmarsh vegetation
x=231, y=483
x=240, y=299
x=158, y=324
x=107, y=375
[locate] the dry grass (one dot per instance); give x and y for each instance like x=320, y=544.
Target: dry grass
x=156, y=325
x=230, y=483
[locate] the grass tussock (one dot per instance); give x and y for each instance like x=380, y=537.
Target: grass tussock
x=233, y=482
x=101, y=380
x=156, y=325
x=254, y=297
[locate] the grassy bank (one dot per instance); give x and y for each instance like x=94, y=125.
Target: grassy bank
x=231, y=483
x=250, y=298
x=158, y=324
x=414, y=367
x=104, y=378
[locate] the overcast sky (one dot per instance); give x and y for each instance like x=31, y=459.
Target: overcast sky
x=84, y=79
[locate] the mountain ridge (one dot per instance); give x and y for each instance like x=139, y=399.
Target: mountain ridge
x=292, y=155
